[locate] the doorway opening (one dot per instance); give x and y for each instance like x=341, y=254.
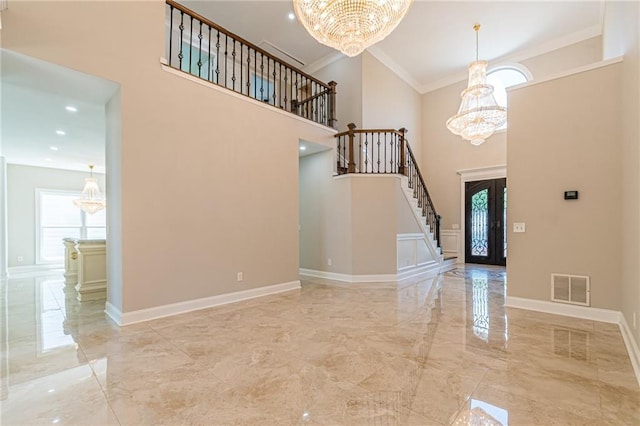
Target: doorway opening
x=485, y=222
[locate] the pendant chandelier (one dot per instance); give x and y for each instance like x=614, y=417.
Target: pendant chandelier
x=479, y=114
x=350, y=26
x=91, y=200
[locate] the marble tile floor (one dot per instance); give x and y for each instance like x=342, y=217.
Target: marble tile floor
x=424, y=352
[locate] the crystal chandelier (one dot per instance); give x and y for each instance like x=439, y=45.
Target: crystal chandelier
x=350, y=25
x=479, y=114
x=91, y=200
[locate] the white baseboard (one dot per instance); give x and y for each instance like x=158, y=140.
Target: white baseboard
x=349, y=278
x=584, y=312
x=632, y=347
x=114, y=313
x=426, y=270
x=133, y=317
x=430, y=269
x=27, y=269
x=448, y=265
x=588, y=313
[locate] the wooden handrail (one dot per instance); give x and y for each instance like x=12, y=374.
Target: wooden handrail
x=241, y=40
x=312, y=98
x=204, y=49
x=397, y=132
x=386, y=151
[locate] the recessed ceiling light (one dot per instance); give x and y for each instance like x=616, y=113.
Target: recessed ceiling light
x=61, y=132
x=53, y=148
x=48, y=159
x=302, y=148
x=71, y=108
x=292, y=16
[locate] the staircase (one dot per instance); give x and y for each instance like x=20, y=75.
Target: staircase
x=387, y=151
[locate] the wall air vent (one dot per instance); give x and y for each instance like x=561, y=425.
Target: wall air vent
x=572, y=289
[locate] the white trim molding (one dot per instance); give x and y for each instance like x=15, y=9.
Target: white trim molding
x=573, y=71
x=396, y=68
x=29, y=269
x=371, y=278
x=133, y=317
x=424, y=271
x=584, y=312
x=632, y=346
x=550, y=46
x=451, y=243
x=472, y=175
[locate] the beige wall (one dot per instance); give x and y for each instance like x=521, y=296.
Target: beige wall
x=564, y=134
x=621, y=38
x=566, y=58
x=325, y=216
x=22, y=182
x=388, y=102
x=197, y=206
x=352, y=220
x=374, y=97
x=373, y=220
x=347, y=72
x=444, y=154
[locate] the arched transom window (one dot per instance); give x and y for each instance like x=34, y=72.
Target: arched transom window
x=503, y=77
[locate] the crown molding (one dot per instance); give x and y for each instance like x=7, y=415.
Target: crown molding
x=568, y=40
x=322, y=62
x=398, y=70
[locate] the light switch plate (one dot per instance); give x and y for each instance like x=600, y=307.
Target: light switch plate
x=518, y=227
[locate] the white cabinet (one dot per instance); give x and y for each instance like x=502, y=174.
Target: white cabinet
x=86, y=267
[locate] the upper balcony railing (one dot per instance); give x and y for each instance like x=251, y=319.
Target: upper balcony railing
x=204, y=49
x=386, y=151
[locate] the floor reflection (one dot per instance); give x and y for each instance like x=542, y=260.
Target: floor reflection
x=427, y=352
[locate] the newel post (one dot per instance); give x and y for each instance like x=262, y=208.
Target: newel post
x=403, y=160
x=333, y=121
x=352, y=164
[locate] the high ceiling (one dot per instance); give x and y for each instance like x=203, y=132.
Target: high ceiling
x=38, y=129
x=430, y=48
x=434, y=43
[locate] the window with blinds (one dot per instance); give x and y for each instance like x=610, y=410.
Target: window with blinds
x=58, y=218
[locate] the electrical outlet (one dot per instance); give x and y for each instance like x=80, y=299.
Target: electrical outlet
x=519, y=227
x=329, y=262
x=240, y=276
x=20, y=259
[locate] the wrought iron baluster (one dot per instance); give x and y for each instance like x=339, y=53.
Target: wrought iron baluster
x=261, y=77
x=200, y=51
x=315, y=101
x=280, y=83
x=226, y=58
x=268, y=71
x=248, y=71
x=209, y=76
x=286, y=88
x=366, y=153
x=191, y=45
x=233, y=66
x=181, y=55
x=386, y=149
x=218, y=57
x=274, y=84
x=170, y=34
